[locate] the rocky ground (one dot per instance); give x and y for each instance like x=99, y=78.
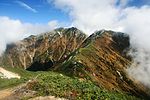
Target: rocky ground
x=19, y=93
x=7, y=74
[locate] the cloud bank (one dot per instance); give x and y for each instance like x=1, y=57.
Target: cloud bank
x=91, y=15
x=13, y=30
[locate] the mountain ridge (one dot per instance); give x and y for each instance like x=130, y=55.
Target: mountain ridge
x=101, y=57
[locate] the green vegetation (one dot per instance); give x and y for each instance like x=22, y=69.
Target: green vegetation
x=59, y=85
x=5, y=83
x=51, y=83
x=25, y=76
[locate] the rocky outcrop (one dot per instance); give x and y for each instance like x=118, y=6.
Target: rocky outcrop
x=43, y=50
x=101, y=57
x=7, y=74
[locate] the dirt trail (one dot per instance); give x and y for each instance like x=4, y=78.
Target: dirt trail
x=7, y=74
x=8, y=94
x=5, y=93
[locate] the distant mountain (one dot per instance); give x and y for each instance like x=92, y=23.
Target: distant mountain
x=101, y=57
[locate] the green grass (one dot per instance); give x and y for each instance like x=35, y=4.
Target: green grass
x=25, y=76
x=59, y=85
x=6, y=83
x=51, y=83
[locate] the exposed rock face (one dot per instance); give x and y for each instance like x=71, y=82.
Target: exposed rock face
x=101, y=57
x=44, y=49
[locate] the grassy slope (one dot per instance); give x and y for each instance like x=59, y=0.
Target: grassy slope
x=25, y=75
x=52, y=83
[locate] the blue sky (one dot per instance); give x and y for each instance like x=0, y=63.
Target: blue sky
x=44, y=11
x=138, y=3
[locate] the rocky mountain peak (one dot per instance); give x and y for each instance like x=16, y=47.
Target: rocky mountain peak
x=55, y=45
x=99, y=57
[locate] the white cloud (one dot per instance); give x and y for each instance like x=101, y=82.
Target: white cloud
x=26, y=6
x=140, y=69
x=137, y=23
x=91, y=15
x=53, y=23
x=13, y=30
x=87, y=14
x=124, y=3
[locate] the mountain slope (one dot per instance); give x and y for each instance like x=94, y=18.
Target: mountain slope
x=48, y=84
x=53, y=46
x=101, y=57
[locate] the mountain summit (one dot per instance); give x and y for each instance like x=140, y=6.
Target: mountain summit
x=101, y=57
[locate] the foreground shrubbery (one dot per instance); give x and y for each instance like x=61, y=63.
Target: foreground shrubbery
x=56, y=84
x=73, y=88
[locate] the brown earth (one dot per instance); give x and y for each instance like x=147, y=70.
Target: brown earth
x=5, y=93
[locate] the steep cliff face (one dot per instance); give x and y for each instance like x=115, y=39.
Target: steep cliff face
x=44, y=49
x=101, y=57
